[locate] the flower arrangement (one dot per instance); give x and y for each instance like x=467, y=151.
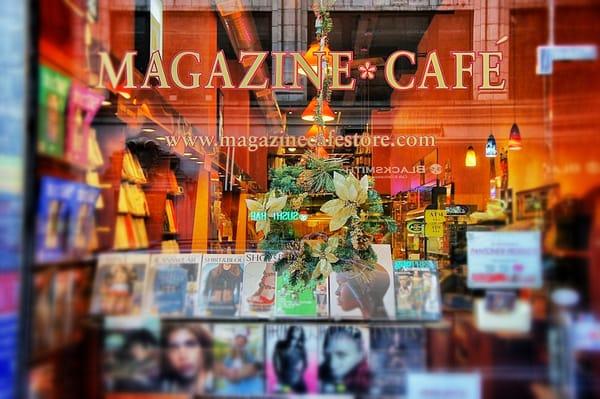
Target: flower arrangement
x=356, y=217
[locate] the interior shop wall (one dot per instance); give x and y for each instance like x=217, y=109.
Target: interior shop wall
x=558, y=155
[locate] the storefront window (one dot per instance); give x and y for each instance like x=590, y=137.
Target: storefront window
x=331, y=198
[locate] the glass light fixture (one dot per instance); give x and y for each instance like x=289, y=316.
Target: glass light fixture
x=311, y=58
x=491, y=150
x=326, y=112
x=470, y=157
x=514, y=140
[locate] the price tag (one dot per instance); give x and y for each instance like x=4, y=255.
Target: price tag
x=434, y=230
x=435, y=216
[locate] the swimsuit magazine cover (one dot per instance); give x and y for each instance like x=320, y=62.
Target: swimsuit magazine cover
x=119, y=283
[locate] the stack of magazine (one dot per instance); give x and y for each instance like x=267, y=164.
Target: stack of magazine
x=147, y=354
x=246, y=286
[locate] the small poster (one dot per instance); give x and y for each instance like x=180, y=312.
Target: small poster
x=83, y=105
x=507, y=259
x=344, y=360
x=417, y=290
x=119, y=284
x=173, y=287
x=221, y=285
x=131, y=353
x=444, y=385
x=53, y=216
x=365, y=297
x=258, y=288
x=239, y=360
x=292, y=361
x=53, y=92
x=308, y=300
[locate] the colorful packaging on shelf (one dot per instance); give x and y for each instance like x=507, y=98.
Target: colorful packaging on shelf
x=53, y=219
x=417, y=290
x=53, y=91
x=62, y=304
x=81, y=222
x=292, y=361
x=239, y=359
x=43, y=312
x=221, y=285
x=119, y=284
x=83, y=105
x=310, y=300
x=188, y=358
x=131, y=354
x=173, y=287
x=359, y=296
x=394, y=352
x=343, y=360
x=258, y=287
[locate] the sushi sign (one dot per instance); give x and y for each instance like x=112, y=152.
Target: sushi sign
x=282, y=216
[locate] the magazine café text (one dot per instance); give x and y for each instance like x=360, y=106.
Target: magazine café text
x=338, y=63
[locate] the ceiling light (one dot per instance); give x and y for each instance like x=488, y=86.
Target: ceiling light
x=326, y=112
x=470, y=158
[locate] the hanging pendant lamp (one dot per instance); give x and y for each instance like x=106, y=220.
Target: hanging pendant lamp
x=471, y=157
x=491, y=150
x=312, y=59
x=514, y=140
x=326, y=112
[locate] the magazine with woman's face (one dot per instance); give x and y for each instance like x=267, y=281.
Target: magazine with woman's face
x=360, y=296
x=292, y=360
x=343, y=360
x=131, y=353
x=187, y=358
x=395, y=352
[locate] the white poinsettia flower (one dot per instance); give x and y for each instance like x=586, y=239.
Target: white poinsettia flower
x=269, y=206
x=351, y=193
x=325, y=253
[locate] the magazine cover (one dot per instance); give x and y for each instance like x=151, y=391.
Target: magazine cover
x=417, y=290
x=188, y=359
x=42, y=328
x=82, y=294
x=239, y=359
x=81, y=219
x=309, y=300
x=131, y=353
x=394, y=352
x=344, y=360
x=62, y=305
x=359, y=297
x=53, y=92
x=292, y=360
x=41, y=382
x=119, y=284
x=53, y=215
x=83, y=105
x=173, y=288
x=258, y=287
x=221, y=285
